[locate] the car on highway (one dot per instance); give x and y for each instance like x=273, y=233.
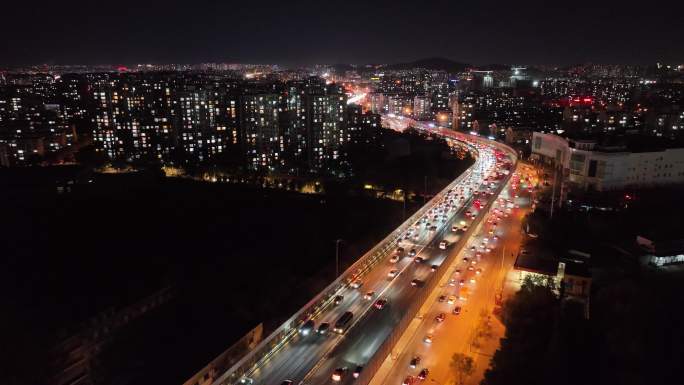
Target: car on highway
x=338, y=374
x=478, y=271
x=338, y=299
x=399, y=251
x=457, y=310
x=451, y=300
x=434, y=268
x=343, y=323
x=409, y=380
x=433, y=228
x=323, y=328
x=418, y=259
x=306, y=329
x=423, y=373
x=357, y=371
x=369, y=295
x=440, y=317
x=357, y=283
x=381, y=303
x=454, y=228
x=412, y=253
x=287, y=382
x=442, y=298
x=428, y=338
x=394, y=258
x=443, y=245
x=461, y=282
x=414, y=362
x=416, y=282
x=393, y=273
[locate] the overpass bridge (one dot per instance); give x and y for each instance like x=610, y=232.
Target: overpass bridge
x=310, y=358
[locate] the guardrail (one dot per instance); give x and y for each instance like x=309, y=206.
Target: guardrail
x=288, y=330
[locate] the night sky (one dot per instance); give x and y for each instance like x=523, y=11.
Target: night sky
x=304, y=32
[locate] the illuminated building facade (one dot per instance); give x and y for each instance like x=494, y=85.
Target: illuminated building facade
x=422, y=107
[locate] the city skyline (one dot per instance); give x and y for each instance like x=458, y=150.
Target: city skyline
x=306, y=33
x=347, y=193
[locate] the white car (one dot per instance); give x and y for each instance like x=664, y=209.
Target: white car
x=443, y=245
x=393, y=273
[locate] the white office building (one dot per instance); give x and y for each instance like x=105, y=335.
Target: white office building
x=593, y=167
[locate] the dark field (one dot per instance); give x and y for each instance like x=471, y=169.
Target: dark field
x=235, y=255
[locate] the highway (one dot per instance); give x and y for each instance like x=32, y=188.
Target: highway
x=456, y=333
x=311, y=358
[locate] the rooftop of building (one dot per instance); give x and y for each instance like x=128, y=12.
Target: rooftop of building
x=537, y=258
x=549, y=266
x=611, y=142
x=663, y=245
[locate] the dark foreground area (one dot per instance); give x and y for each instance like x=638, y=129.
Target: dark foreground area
x=235, y=256
x=630, y=332
x=232, y=256
x=633, y=337
x=145, y=279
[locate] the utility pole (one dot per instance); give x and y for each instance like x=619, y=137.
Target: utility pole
x=425, y=194
x=560, y=189
x=503, y=274
x=404, y=208
x=337, y=258
x=553, y=191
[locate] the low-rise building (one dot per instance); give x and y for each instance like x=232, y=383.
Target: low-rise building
x=661, y=252
x=518, y=135
x=568, y=277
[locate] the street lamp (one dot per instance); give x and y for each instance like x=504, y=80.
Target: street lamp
x=337, y=257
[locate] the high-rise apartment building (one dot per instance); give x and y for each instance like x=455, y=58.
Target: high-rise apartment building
x=30, y=129
x=378, y=103
x=133, y=121
x=326, y=126
x=422, y=107
x=440, y=95
x=260, y=126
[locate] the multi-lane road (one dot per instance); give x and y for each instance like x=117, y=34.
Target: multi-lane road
x=456, y=332
x=312, y=357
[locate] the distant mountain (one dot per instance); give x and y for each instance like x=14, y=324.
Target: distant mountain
x=495, y=67
x=435, y=63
